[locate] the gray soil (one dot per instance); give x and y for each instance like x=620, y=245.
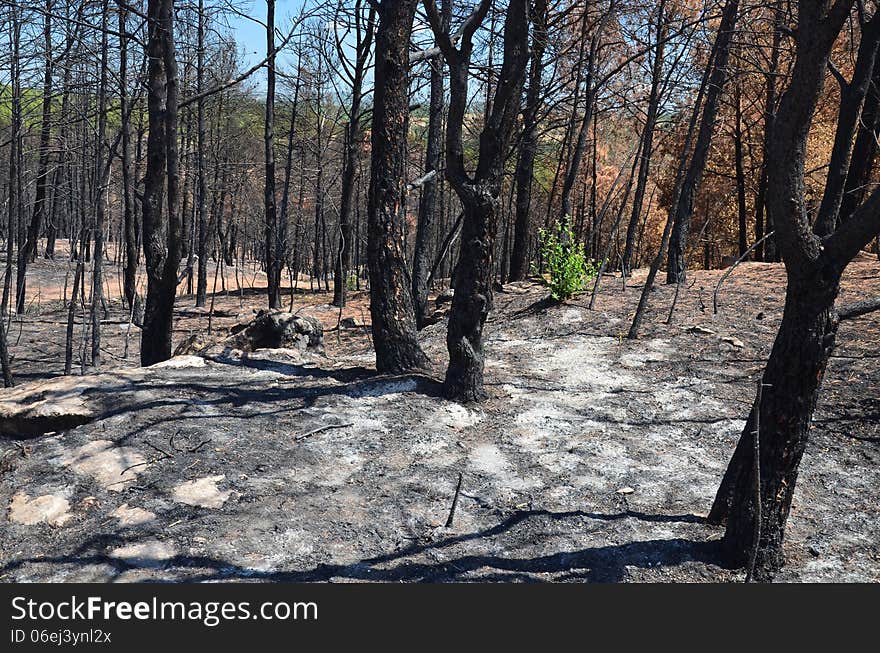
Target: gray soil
x=596, y=458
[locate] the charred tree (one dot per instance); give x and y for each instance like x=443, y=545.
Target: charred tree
x=428, y=208
x=273, y=263
x=391, y=306
x=161, y=224
x=364, y=27
x=805, y=340
x=525, y=168
x=684, y=202
x=479, y=194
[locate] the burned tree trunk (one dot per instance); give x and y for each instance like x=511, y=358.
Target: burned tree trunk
x=131, y=246
x=479, y=194
x=391, y=305
x=647, y=139
x=428, y=202
x=36, y=224
x=353, y=135
x=162, y=230
x=519, y=257
x=684, y=203
x=793, y=376
x=273, y=264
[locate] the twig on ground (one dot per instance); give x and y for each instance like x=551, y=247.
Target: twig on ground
x=320, y=430
x=454, y=502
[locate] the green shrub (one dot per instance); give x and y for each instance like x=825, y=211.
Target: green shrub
x=566, y=261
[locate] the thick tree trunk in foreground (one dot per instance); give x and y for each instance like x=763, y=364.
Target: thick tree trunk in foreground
x=162, y=232
x=791, y=382
x=793, y=376
x=391, y=306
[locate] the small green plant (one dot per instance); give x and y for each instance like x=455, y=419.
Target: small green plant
x=351, y=281
x=566, y=261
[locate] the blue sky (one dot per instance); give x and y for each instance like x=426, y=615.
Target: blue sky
x=251, y=36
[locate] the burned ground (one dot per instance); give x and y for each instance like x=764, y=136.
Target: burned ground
x=596, y=457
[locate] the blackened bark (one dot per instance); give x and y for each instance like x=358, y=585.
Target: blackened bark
x=647, y=145
x=791, y=382
x=36, y=224
x=162, y=229
x=684, y=205
x=202, y=201
x=479, y=195
x=740, y=171
x=852, y=98
x=767, y=250
x=428, y=208
x=525, y=168
x=102, y=178
x=806, y=335
x=129, y=275
x=352, y=146
x=273, y=264
x=864, y=152
x=391, y=307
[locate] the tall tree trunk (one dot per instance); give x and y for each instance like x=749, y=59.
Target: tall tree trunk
x=805, y=341
x=36, y=224
x=102, y=179
x=647, y=146
x=273, y=265
x=479, y=195
x=428, y=201
x=352, y=146
x=525, y=168
x=162, y=229
x=129, y=275
x=684, y=204
x=767, y=250
x=202, y=205
x=391, y=306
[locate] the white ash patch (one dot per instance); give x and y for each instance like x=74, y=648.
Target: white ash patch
x=48, y=508
x=456, y=416
x=202, y=492
x=113, y=467
x=132, y=516
x=149, y=553
x=180, y=362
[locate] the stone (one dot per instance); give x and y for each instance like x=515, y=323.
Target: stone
x=278, y=330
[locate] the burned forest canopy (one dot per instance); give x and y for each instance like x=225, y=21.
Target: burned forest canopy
x=157, y=158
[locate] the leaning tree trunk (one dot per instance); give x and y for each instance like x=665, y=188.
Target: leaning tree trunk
x=684, y=203
x=391, y=306
x=791, y=383
x=803, y=345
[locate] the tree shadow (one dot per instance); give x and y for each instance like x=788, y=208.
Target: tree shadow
x=606, y=564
